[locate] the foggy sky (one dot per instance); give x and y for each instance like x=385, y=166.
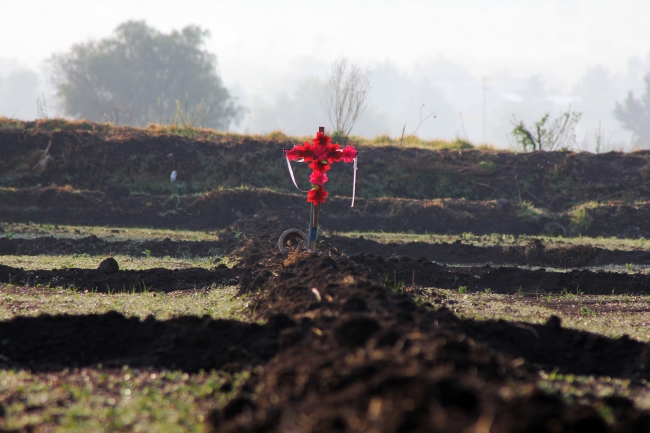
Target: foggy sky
x=535, y=56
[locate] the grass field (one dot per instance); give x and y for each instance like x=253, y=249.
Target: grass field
x=29, y=231
x=497, y=239
x=611, y=316
x=127, y=399
x=86, y=261
x=98, y=400
x=218, y=302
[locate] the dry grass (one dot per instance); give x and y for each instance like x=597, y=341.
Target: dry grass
x=496, y=239
x=215, y=301
x=294, y=256
x=30, y=230
x=207, y=134
x=611, y=316
x=86, y=261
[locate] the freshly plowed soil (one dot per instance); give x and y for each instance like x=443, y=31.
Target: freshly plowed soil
x=356, y=356
x=187, y=343
x=155, y=279
x=218, y=210
x=502, y=279
x=535, y=253
x=94, y=246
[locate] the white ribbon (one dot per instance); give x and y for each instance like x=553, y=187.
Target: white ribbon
x=293, y=178
x=354, y=178
x=354, y=181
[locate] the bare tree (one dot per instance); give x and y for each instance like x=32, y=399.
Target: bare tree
x=346, y=94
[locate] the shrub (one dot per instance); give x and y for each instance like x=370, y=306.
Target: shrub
x=528, y=212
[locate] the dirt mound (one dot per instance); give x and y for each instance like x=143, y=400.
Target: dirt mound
x=137, y=161
x=356, y=356
x=536, y=253
x=406, y=271
x=94, y=246
x=97, y=280
x=221, y=209
x=187, y=343
x=574, y=352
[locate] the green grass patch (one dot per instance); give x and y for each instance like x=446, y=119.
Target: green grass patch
x=528, y=212
x=98, y=400
x=580, y=216
x=584, y=388
x=215, y=301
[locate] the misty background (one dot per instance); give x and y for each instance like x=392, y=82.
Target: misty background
x=475, y=64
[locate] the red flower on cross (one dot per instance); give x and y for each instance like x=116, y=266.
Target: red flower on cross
x=320, y=153
x=317, y=195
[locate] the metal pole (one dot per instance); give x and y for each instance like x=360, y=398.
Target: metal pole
x=484, y=109
x=313, y=229
x=313, y=220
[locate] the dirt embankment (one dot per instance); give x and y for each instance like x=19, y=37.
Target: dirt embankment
x=136, y=161
x=189, y=343
x=220, y=209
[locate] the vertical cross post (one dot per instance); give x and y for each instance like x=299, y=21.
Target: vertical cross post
x=313, y=220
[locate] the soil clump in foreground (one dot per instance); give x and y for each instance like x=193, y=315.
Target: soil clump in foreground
x=357, y=355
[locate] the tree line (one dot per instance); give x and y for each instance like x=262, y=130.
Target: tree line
x=140, y=75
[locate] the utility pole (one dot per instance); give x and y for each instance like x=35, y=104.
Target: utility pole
x=484, y=109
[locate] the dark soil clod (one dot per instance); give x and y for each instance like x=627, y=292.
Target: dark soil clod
x=108, y=266
x=554, y=322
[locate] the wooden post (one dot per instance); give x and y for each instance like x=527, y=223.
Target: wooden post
x=313, y=220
